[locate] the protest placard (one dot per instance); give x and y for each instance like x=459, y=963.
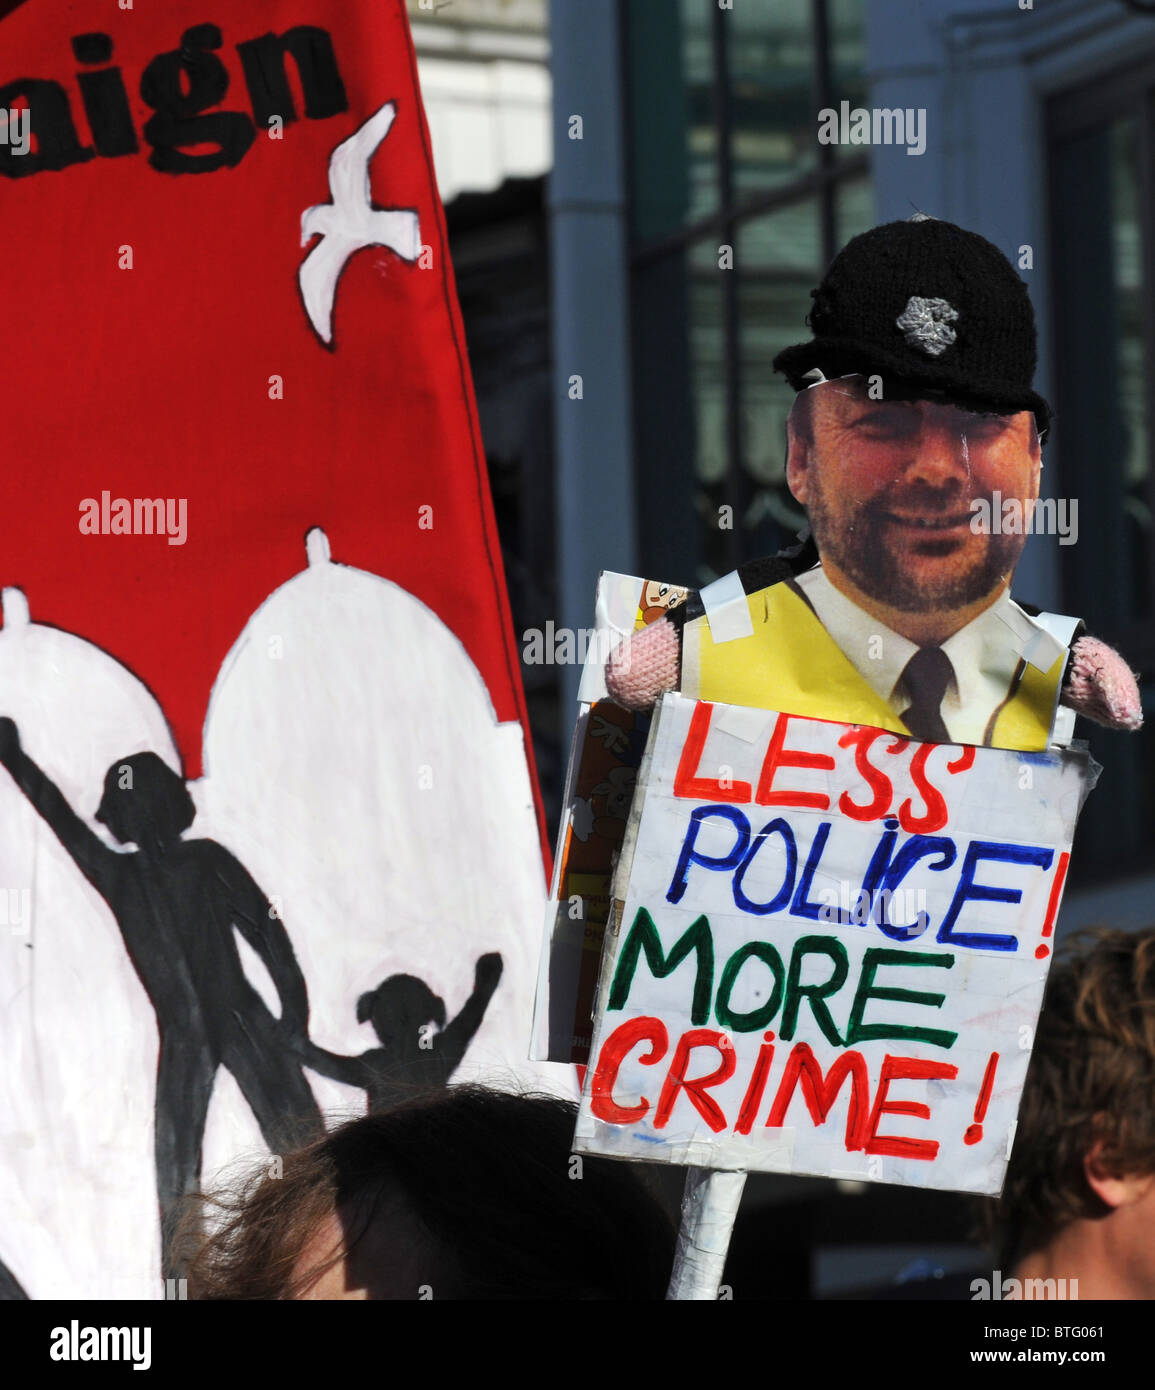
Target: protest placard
x=827, y=949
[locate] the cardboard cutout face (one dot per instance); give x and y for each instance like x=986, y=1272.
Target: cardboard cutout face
x=920, y=510
x=899, y=492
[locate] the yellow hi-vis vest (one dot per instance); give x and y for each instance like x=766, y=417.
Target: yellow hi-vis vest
x=792, y=664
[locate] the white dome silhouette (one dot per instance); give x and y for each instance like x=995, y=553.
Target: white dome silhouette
x=77, y=1032
x=354, y=764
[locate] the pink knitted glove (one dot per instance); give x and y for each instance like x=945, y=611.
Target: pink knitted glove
x=644, y=666
x=1101, y=687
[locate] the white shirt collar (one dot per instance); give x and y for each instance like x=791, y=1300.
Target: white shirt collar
x=984, y=655
x=877, y=652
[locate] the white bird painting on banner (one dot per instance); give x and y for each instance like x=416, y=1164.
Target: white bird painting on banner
x=350, y=222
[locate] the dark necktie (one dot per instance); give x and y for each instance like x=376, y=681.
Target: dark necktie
x=926, y=677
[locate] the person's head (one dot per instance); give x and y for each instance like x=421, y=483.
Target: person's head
x=1084, y=1149
x=924, y=348
x=400, y=1003
x=465, y=1194
x=145, y=802
x=901, y=492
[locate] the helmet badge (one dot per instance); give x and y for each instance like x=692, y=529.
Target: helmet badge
x=926, y=324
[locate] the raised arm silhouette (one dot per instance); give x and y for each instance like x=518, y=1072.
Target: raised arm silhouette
x=177, y=903
x=419, y=1050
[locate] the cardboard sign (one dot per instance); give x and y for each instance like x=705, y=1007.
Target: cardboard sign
x=912, y=587
x=827, y=950
x=607, y=748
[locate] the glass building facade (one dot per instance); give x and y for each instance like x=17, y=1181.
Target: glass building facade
x=1101, y=142
x=735, y=212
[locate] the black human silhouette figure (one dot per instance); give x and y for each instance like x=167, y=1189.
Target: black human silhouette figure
x=411, y=1056
x=176, y=902
x=10, y=1287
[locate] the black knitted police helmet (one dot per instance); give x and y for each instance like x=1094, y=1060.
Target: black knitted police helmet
x=929, y=307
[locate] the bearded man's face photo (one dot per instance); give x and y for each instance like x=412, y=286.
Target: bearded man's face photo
x=891, y=486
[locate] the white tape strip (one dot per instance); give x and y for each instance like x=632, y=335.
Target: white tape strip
x=727, y=611
x=709, y=1207
x=1042, y=651
x=1063, y=729
x=1036, y=644
x=1061, y=627
x=616, y=607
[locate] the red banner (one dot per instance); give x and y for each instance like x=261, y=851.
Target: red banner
x=160, y=346
x=266, y=814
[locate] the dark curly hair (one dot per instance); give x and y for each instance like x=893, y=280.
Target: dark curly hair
x=1091, y=1081
x=472, y=1192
